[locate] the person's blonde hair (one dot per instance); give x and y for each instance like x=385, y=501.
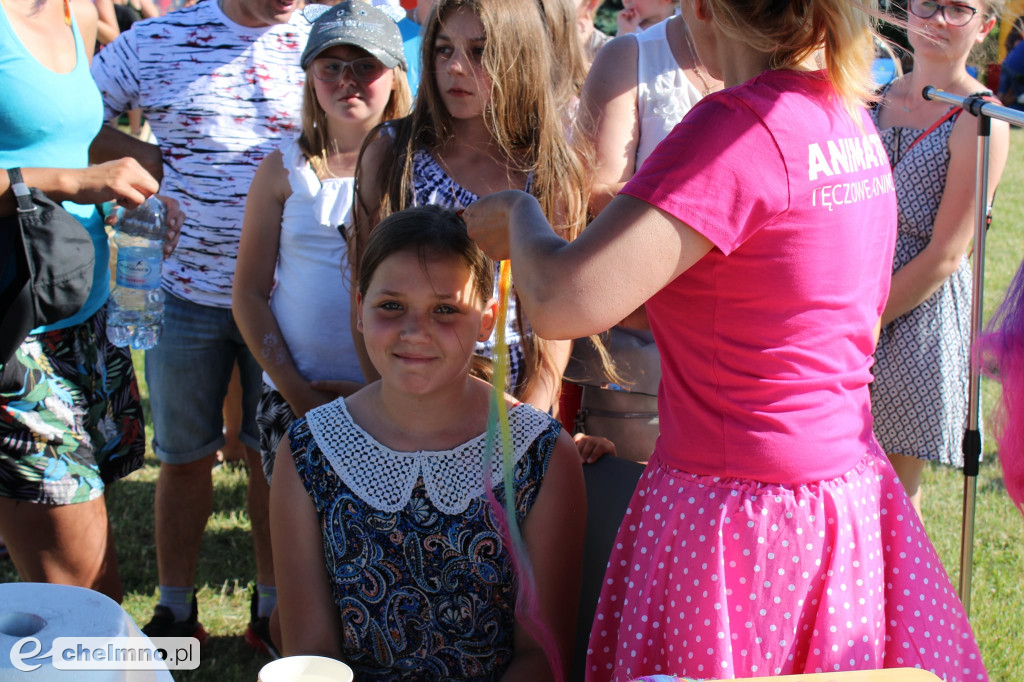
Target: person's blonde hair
x=522, y=116
x=314, y=140
x=839, y=32
x=569, y=64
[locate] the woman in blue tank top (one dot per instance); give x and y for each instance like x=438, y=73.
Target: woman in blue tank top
x=70, y=412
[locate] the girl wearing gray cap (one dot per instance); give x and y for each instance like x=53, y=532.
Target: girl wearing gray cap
x=290, y=297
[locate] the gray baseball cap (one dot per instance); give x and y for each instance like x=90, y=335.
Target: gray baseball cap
x=352, y=22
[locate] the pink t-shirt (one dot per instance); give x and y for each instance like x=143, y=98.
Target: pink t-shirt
x=766, y=343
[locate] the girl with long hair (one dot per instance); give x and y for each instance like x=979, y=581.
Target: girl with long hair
x=569, y=64
x=769, y=534
x=483, y=121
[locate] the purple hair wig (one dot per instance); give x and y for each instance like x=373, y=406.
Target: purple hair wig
x=1000, y=354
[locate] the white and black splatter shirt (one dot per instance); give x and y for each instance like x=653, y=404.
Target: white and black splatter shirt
x=219, y=97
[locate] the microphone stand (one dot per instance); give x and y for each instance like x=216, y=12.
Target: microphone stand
x=985, y=111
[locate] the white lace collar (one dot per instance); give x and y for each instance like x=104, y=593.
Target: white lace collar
x=384, y=478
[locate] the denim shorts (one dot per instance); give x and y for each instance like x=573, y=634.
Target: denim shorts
x=188, y=373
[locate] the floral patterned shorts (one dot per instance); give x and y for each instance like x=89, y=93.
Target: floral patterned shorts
x=70, y=416
x=274, y=417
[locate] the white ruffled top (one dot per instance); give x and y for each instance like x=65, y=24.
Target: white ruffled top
x=311, y=296
x=664, y=94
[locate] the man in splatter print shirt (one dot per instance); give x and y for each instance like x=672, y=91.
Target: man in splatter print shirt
x=220, y=84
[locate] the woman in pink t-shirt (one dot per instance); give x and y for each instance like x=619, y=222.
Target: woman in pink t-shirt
x=769, y=534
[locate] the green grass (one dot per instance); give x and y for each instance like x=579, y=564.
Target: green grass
x=997, y=593
x=226, y=568
x=225, y=572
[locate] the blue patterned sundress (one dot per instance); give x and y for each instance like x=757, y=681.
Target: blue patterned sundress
x=420, y=574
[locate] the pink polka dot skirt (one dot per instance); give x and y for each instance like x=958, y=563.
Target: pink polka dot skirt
x=721, y=577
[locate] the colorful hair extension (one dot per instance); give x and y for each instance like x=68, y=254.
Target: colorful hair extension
x=498, y=431
x=999, y=353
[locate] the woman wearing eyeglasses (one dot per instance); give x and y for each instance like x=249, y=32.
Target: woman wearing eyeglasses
x=290, y=300
x=919, y=395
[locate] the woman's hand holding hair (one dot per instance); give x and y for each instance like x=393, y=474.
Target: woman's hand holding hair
x=571, y=290
x=488, y=219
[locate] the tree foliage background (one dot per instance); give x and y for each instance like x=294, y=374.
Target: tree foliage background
x=605, y=19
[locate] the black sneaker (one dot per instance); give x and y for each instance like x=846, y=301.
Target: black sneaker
x=163, y=624
x=257, y=634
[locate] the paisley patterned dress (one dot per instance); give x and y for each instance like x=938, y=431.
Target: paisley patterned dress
x=420, y=572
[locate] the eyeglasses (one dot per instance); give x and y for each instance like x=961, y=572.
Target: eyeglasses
x=364, y=69
x=954, y=15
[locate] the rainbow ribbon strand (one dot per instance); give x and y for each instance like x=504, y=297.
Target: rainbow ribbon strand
x=497, y=420
x=498, y=431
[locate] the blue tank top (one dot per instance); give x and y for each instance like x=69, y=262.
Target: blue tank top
x=48, y=120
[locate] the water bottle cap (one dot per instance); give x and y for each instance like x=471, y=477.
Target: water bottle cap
x=149, y=219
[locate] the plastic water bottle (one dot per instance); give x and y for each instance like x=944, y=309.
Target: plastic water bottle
x=135, y=314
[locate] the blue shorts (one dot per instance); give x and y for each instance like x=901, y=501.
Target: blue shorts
x=188, y=374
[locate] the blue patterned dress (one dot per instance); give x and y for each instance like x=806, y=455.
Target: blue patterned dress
x=420, y=573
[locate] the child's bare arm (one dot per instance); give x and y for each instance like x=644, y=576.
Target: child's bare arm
x=309, y=618
x=553, y=532
x=254, y=281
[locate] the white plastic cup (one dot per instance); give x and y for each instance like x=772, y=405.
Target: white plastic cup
x=305, y=669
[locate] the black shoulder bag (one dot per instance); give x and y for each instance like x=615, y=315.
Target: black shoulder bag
x=46, y=265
